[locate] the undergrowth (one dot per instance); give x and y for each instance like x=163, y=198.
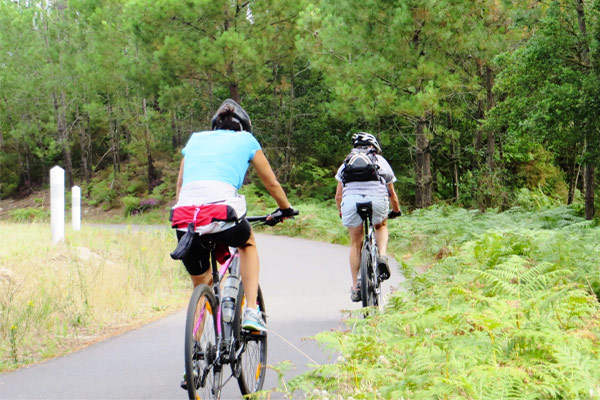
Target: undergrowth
x=497, y=306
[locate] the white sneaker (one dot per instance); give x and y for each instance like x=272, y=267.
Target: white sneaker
x=254, y=321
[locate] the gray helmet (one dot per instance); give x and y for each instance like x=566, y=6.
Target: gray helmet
x=239, y=114
x=365, y=139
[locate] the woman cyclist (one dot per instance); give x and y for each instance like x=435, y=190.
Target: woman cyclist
x=212, y=170
x=377, y=191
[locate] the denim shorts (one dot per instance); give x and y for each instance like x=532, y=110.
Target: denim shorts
x=350, y=217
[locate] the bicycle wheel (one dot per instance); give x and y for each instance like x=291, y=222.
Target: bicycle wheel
x=201, y=344
x=250, y=365
x=367, y=277
x=376, y=281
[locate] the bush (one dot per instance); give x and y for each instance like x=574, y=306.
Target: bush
x=29, y=215
x=134, y=205
x=103, y=192
x=533, y=200
x=131, y=204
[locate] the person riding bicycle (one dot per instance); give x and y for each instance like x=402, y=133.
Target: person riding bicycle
x=208, y=204
x=377, y=188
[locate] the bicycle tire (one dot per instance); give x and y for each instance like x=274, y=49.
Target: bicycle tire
x=251, y=364
x=375, y=276
x=366, y=280
x=201, y=345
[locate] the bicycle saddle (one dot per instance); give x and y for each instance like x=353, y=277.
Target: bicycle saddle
x=365, y=209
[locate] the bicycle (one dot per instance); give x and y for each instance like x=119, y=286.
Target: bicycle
x=213, y=333
x=370, y=281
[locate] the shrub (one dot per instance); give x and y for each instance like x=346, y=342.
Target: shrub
x=29, y=215
x=131, y=204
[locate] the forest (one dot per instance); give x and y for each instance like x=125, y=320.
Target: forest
x=475, y=102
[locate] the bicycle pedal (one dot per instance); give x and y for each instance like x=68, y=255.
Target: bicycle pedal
x=255, y=333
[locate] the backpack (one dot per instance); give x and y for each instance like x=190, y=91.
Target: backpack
x=360, y=166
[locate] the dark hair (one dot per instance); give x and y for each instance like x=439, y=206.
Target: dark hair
x=227, y=119
x=230, y=115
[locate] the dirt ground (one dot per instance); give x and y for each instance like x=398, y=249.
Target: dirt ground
x=41, y=200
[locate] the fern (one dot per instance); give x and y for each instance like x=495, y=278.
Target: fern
x=508, y=312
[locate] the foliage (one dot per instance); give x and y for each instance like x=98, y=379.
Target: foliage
x=507, y=311
x=29, y=215
x=471, y=100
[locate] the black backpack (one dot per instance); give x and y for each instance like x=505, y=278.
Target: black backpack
x=360, y=166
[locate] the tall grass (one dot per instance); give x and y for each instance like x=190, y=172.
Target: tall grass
x=54, y=298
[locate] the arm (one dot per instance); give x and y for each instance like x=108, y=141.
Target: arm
x=179, y=181
x=393, y=197
x=268, y=178
x=338, y=196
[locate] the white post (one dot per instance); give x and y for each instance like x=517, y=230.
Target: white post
x=57, y=203
x=76, y=207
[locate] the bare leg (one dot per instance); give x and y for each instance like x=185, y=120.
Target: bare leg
x=205, y=278
x=249, y=269
x=381, y=236
x=356, y=239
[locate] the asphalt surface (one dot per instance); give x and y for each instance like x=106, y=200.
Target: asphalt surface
x=306, y=285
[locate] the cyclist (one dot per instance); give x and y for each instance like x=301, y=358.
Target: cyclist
x=380, y=192
x=208, y=204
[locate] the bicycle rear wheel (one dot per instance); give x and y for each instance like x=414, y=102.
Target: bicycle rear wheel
x=250, y=366
x=201, y=345
x=367, y=278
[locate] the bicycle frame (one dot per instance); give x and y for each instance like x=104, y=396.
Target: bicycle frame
x=218, y=274
x=369, y=244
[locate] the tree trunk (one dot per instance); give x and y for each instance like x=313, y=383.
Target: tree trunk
x=290, y=130
x=85, y=144
x=455, y=182
x=571, y=193
x=585, y=48
x=589, y=167
x=589, y=191
x=63, y=135
x=234, y=92
x=176, y=132
x=114, y=139
x=491, y=142
x=477, y=142
x=151, y=171
x=423, y=180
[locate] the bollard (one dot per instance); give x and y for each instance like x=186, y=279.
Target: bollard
x=76, y=207
x=57, y=203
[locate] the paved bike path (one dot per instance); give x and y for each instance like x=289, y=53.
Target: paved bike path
x=305, y=285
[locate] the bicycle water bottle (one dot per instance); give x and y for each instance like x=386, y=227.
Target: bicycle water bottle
x=230, y=291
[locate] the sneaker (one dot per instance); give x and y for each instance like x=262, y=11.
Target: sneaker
x=384, y=269
x=355, y=294
x=254, y=321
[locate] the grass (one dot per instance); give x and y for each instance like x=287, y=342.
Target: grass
x=55, y=298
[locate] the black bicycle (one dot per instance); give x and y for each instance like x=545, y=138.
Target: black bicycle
x=370, y=283
x=214, y=335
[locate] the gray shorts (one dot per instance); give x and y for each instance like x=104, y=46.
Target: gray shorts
x=350, y=217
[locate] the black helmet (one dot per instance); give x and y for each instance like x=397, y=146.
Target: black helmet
x=365, y=139
x=239, y=115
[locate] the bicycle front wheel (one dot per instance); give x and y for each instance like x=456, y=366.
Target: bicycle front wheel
x=201, y=345
x=367, y=278
x=250, y=365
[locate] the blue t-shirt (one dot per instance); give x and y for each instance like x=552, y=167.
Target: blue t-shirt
x=219, y=155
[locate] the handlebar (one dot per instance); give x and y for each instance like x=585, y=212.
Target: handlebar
x=271, y=222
